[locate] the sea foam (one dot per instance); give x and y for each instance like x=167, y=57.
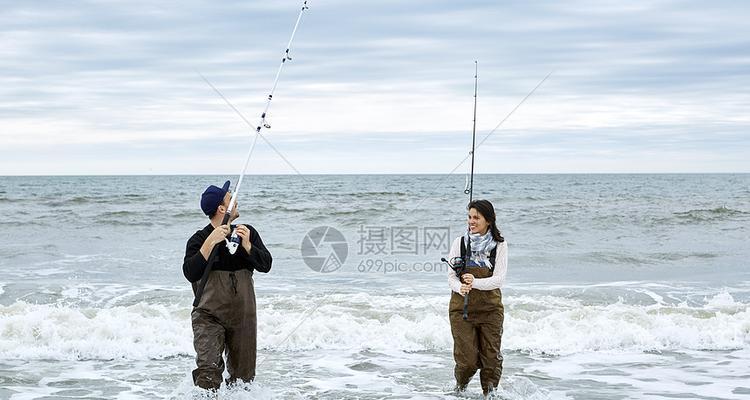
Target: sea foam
x=533, y=324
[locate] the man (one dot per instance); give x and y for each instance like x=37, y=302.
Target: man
x=224, y=320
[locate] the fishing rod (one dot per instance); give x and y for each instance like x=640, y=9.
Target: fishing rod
x=460, y=268
x=469, y=189
x=459, y=264
x=234, y=240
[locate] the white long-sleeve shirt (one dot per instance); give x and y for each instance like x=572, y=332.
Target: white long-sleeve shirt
x=495, y=281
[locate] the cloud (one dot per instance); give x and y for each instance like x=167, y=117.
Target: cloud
x=392, y=78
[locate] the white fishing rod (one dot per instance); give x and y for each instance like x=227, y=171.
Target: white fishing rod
x=234, y=241
x=469, y=189
x=460, y=268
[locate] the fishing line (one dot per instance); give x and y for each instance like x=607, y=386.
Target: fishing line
x=234, y=241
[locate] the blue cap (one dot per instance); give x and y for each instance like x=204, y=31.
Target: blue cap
x=212, y=198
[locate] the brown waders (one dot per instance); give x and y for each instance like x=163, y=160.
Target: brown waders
x=225, y=322
x=476, y=341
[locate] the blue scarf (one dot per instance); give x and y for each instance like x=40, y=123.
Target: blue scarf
x=481, y=247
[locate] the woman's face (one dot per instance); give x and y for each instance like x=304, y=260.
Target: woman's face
x=477, y=223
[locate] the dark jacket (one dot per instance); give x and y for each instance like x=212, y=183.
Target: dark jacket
x=259, y=258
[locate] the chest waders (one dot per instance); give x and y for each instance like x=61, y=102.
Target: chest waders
x=476, y=340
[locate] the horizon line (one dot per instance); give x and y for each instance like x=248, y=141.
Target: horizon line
x=384, y=174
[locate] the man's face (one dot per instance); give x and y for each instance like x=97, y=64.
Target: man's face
x=235, y=210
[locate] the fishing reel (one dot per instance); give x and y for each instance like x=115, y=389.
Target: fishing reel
x=456, y=263
x=233, y=243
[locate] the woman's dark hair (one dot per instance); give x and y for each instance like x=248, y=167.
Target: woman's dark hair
x=485, y=208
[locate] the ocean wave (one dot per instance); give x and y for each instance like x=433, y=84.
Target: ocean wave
x=188, y=215
x=57, y=200
x=120, y=214
x=124, y=218
x=611, y=257
x=134, y=196
x=317, y=213
x=47, y=220
x=707, y=215
x=576, y=328
x=638, y=259
x=378, y=194
x=8, y=252
x=286, y=209
x=44, y=331
x=534, y=324
x=385, y=210
x=77, y=200
x=117, y=222
x=359, y=213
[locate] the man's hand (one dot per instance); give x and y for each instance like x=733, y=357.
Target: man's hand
x=468, y=279
x=465, y=288
x=244, y=233
x=217, y=236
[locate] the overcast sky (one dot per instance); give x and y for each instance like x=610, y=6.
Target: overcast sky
x=113, y=87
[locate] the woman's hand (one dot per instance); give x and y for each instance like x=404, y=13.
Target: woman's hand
x=465, y=289
x=468, y=279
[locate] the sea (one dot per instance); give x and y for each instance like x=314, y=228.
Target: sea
x=619, y=286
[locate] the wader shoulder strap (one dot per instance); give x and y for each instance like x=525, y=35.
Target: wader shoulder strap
x=465, y=251
x=493, y=255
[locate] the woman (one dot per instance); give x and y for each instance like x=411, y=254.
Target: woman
x=476, y=340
